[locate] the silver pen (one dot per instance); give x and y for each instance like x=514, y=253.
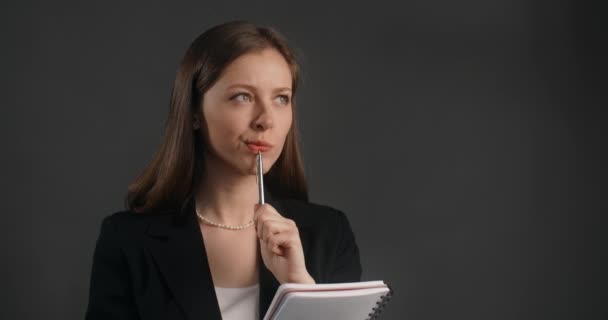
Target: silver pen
x=260, y=178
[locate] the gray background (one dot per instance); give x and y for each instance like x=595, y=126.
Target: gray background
x=464, y=140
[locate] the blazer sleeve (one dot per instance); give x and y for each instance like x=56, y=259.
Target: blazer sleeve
x=110, y=295
x=346, y=266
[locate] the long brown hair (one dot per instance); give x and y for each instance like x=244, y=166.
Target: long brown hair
x=171, y=177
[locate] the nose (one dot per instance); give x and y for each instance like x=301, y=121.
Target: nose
x=264, y=119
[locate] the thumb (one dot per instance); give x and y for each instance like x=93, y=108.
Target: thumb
x=255, y=208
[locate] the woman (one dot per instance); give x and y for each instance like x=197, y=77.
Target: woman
x=193, y=244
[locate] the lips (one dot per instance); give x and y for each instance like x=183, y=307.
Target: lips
x=258, y=145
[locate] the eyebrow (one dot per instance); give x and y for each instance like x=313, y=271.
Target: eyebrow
x=254, y=89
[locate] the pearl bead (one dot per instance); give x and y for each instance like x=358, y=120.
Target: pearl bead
x=220, y=225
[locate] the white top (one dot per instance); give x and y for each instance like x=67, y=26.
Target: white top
x=239, y=303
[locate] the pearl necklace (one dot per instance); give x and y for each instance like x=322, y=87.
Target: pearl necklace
x=225, y=226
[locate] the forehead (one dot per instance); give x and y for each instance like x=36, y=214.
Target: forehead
x=262, y=69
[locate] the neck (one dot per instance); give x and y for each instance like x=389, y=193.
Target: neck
x=226, y=195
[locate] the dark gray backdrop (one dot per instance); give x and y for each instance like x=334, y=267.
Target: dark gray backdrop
x=464, y=140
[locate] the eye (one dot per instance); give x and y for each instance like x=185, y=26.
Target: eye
x=241, y=94
x=285, y=99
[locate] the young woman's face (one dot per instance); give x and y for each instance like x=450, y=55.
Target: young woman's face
x=250, y=101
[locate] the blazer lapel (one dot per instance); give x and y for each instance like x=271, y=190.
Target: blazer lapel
x=177, y=247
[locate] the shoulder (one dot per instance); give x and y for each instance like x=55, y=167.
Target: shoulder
x=127, y=224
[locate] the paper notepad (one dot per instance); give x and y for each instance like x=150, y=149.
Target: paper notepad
x=332, y=301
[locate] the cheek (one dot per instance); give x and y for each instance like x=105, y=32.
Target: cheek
x=225, y=121
x=282, y=130
x=287, y=123
x=222, y=128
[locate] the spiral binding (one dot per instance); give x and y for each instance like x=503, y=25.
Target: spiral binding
x=381, y=304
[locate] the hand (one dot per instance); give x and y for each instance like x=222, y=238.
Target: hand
x=280, y=245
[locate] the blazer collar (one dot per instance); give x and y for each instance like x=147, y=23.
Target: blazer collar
x=177, y=247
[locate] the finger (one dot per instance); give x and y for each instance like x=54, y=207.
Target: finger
x=274, y=249
x=277, y=250
x=268, y=207
x=282, y=239
x=259, y=226
x=256, y=211
x=257, y=220
x=261, y=211
x=271, y=226
x=265, y=209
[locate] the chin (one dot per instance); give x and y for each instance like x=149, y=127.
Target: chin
x=252, y=166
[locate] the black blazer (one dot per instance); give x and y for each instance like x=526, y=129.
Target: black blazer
x=154, y=265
